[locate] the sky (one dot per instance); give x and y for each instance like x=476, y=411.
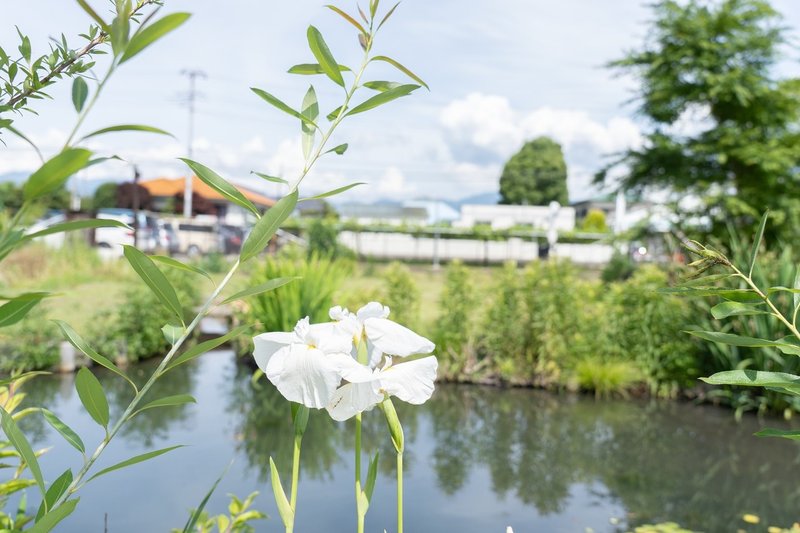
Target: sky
x=500, y=72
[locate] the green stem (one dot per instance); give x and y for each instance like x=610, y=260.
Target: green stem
x=77, y=482
x=775, y=312
x=359, y=514
x=295, y=472
x=399, y=492
x=88, y=107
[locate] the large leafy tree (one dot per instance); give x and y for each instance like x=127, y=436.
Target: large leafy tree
x=536, y=175
x=715, y=62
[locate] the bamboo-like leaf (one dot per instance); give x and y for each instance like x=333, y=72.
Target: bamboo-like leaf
x=55, y=172
x=270, y=285
x=792, y=434
x=749, y=342
x=373, y=7
x=333, y=192
x=310, y=110
x=199, y=349
x=54, y=492
x=310, y=69
x=92, y=13
x=401, y=68
x=754, y=378
x=372, y=475
x=280, y=105
x=127, y=127
x=74, y=225
x=387, y=15
x=54, y=517
x=726, y=309
x=757, y=241
x=172, y=333
x=154, y=279
x=323, y=55
x=339, y=150
x=267, y=225
x=168, y=401
x=383, y=98
x=92, y=396
x=347, y=17
x=78, y=342
x=21, y=444
x=736, y=295
x=381, y=86
x=67, y=432
x=192, y=522
x=15, y=310
x=219, y=184
x=135, y=460
x=284, y=508
x=174, y=263
x=267, y=177
x=334, y=114
x=80, y=90
x=153, y=32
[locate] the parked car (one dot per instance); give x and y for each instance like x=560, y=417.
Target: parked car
x=231, y=238
x=167, y=237
x=147, y=229
x=196, y=236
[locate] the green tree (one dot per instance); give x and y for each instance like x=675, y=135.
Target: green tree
x=536, y=175
x=716, y=61
x=105, y=196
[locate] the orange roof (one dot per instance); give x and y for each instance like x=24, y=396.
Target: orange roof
x=173, y=186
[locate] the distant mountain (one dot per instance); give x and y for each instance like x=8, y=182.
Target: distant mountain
x=486, y=198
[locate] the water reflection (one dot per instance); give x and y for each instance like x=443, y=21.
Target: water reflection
x=549, y=455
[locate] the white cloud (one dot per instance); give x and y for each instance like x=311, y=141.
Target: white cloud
x=393, y=183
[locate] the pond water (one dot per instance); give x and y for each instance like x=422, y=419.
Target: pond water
x=479, y=459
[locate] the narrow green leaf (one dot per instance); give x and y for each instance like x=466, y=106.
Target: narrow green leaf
x=796, y=295
x=339, y=150
x=135, y=460
x=80, y=90
x=333, y=192
x=150, y=34
x=748, y=342
x=192, y=522
x=199, y=349
x=373, y=8
x=258, y=289
x=387, y=15
x=127, y=127
x=22, y=136
x=21, y=444
x=74, y=225
x=285, y=510
x=55, y=172
x=754, y=378
x=323, y=55
x=174, y=263
x=726, y=309
x=267, y=177
x=219, y=184
x=792, y=434
x=310, y=110
x=92, y=396
x=78, y=342
x=757, y=241
x=773, y=290
x=310, y=69
x=347, y=17
x=737, y=295
x=381, y=86
x=67, y=432
x=92, y=13
x=52, y=518
x=54, y=492
x=154, y=279
x=333, y=115
x=372, y=475
x=393, y=422
x=15, y=310
x=383, y=98
x=168, y=401
x=280, y=105
x=120, y=32
x=401, y=68
x=267, y=225
x=172, y=333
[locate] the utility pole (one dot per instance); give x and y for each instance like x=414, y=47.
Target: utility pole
x=187, y=191
x=135, y=206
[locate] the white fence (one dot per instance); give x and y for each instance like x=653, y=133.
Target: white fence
x=408, y=247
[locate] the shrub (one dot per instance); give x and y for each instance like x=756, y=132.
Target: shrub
x=453, y=332
x=606, y=378
x=323, y=238
x=619, y=268
x=402, y=294
x=30, y=344
x=594, y=222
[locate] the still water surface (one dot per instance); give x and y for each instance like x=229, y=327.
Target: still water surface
x=479, y=459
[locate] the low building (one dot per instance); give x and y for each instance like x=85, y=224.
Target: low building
x=167, y=196
x=507, y=216
x=383, y=214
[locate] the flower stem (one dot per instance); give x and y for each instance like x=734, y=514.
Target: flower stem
x=295, y=472
x=359, y=513
x=399, y=492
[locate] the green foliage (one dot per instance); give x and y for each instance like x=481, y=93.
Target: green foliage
x=536, y=175
x=402, y=294
x=323, y=239
x=311, y=295
x=594, y=222
x=606, y=377
x=454, y=333
x=105, y=196
x=719, y=60
x=30, y=344
x=213, y=262
x=619, y=268
x=134, y=327
x=236, y=520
